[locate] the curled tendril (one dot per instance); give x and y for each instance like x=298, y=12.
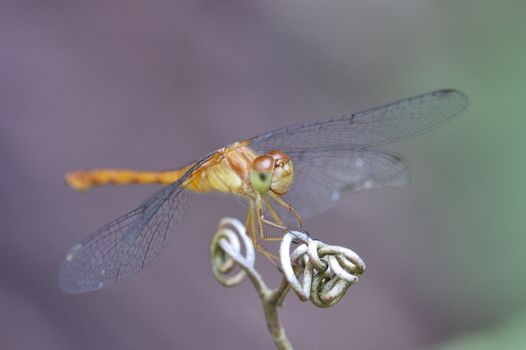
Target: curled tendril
x=226, y=251
x=316, y=271
x=325, y=271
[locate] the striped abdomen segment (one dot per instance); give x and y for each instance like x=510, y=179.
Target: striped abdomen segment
x=84, y=180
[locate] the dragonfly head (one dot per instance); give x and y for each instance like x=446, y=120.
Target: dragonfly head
x=272, y=172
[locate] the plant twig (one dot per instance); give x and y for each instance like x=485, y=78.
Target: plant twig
x=314, y=270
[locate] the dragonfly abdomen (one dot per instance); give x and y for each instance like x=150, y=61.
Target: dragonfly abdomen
x=84, y=180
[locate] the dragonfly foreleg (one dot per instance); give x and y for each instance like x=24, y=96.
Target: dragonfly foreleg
x=272, y=212
x=262, y=220
x=289, y=208
x=252, y=217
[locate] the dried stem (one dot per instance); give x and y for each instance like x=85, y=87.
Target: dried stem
x=326, y=272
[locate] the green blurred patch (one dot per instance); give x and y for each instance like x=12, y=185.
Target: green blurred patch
x=508, y=336
x=480, y=162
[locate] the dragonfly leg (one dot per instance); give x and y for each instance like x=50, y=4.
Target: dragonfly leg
x=250, y=224
x=260, y=227
x=262, y=220
x=273, y=213
x=271, y=223
x=289, y=208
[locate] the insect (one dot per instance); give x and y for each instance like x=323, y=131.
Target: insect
x=300, y=169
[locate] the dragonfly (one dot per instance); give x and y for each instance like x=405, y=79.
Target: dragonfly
x=284, y=175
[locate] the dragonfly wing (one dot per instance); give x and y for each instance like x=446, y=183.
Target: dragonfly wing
x=126, y=245
x=374, y=127
x=339, y=155
x=322, y=178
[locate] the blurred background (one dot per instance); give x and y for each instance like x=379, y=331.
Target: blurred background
x=156, y=84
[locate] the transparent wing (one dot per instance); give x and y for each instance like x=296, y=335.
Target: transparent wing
x=321, y=178
x=126, y=245
x=374, y=127
x=338, y=156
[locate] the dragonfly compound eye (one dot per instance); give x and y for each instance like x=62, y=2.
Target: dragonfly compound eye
x=283, y=173
x=261, y=173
